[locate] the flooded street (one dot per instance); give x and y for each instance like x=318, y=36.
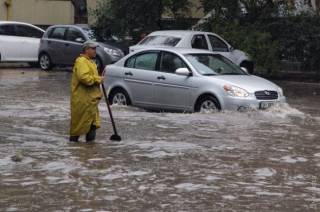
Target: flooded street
x=229, y=161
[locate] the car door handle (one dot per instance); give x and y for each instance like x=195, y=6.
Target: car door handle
x=161, y=78
x=67, y=44
x=128, y=74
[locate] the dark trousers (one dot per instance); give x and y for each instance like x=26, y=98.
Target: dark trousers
x=90, y=136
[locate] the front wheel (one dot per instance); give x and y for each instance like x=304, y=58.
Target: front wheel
x=119, y=97
x=45, y=62
x=207, y=104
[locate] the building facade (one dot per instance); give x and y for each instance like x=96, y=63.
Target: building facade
x=38, y=12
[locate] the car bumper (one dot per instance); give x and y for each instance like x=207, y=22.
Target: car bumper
x=251, y=103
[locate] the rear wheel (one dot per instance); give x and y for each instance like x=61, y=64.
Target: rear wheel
x=119, y=97
x=207, y=104
x=45, y=62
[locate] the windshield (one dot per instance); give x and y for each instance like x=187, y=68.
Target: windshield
x=209, y=64
x=107, y=38
x=91, y=34
x=160, y=40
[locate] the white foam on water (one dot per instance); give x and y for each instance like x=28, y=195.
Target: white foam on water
x=30, y=183
x=212, y=178
x=266, y=193
x=314, y=189
x=124, y=174
x=290, y=159
x=229, y=197
x=12, y=209
x=60, y=166
x=313, y=200
x=156, y=154
x=265, y=172
x=110, y=198
x=317, y=155
x=283, y=111
x=191, y=186
x=8, y=163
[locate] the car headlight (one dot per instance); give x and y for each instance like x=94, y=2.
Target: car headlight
x=280, y=92
x=235, y=91
x=113, y=52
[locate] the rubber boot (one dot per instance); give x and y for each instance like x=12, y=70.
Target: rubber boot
x=91, y=135
x=74, y=138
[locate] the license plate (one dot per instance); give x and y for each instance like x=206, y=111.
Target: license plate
x=266, y=105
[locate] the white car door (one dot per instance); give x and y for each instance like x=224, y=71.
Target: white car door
x=9, y=43
x=30, y=42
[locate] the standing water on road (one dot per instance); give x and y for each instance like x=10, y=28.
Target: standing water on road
x=229, y=161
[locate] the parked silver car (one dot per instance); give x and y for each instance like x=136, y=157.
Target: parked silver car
x=187, y=80
x=62, y=44
x=197, y=40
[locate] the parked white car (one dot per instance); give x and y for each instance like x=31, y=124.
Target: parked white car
x=19, y=42
x=197, y=40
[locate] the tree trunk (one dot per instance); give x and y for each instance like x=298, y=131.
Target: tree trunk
x=80, y=11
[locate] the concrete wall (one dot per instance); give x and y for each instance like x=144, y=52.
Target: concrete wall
x=39, y=12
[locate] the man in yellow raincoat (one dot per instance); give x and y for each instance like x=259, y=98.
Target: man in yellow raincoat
x=85, y=95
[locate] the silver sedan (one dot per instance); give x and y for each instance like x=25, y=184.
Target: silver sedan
x=187, y=80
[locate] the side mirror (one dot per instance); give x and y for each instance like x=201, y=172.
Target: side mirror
x=245, y=70
x=183, y=72
x=79, y=40
x=231, y=49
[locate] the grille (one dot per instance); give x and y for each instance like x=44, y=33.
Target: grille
x=266, y=95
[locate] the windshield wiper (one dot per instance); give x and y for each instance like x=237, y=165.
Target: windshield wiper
x=209, y=74
x=232, y=74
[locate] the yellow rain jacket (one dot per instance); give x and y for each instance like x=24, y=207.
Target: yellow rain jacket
x=85, y=96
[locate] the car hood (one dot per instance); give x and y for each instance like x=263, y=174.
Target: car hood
x=108, y=46
x=139, y=47
x=250, y=83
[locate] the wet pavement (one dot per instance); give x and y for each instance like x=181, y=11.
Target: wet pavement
x=229, y=161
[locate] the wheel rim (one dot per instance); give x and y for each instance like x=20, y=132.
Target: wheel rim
x=44, y=62
x=208, y=106
x=119, y=99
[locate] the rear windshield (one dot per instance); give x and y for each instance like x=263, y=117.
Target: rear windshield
x=160, y=40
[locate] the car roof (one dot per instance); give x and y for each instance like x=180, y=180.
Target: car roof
x=178, y=33
x=13, y=22
x=176, y=50
x=16, y=22
x=69, y=25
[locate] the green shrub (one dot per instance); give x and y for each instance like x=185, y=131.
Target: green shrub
x=257, y=43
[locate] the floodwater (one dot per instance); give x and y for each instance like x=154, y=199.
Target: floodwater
x=228, y=161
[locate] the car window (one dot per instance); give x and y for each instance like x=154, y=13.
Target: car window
x=146, y=61
x=217, y=44
x=130, y=62
x=171, y=62
x=27, y=31
x=74, y=35
x=199, y=42
x=58, y=33
x=208, y=64
x=160, y=40
x=7, y=30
